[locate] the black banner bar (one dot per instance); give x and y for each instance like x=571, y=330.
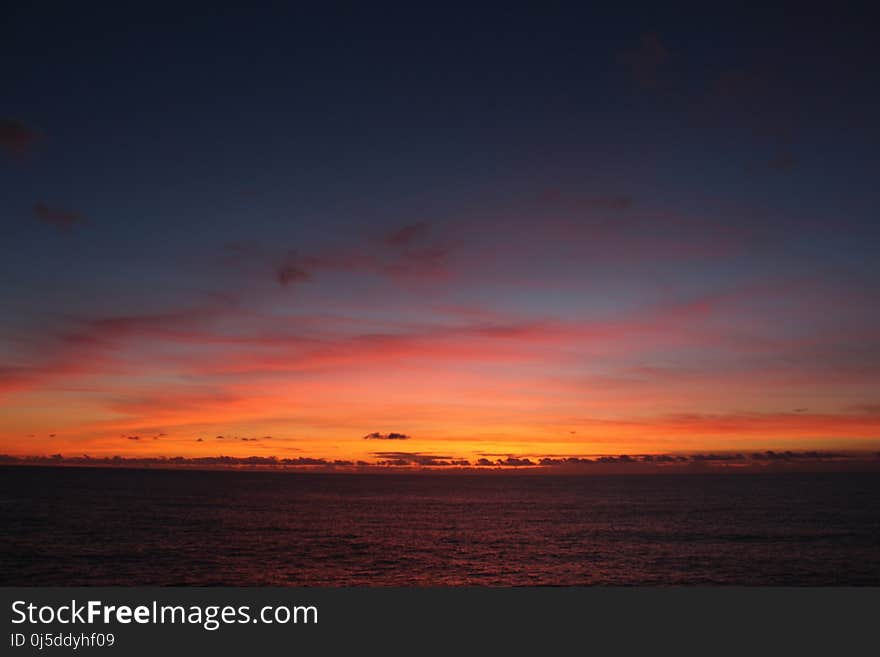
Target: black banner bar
x=276, y=621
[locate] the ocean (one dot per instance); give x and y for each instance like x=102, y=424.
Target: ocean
x=92, y=526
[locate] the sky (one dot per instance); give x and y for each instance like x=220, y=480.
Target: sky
x=409, y=235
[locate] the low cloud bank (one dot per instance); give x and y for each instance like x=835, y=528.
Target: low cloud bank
x=766, y=461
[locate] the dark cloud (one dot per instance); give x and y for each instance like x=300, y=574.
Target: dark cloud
x=514, y=461
x=134, y=437
x=414, y=458
x=623, y=458
x=63, y=220
x=734, y=460
x=16, y=138
x=782, y=461
x=771, y=455
x=406, y=235
x=783, y=162
x=292, y=270
x=412, y=256
x=386, y=436
x=645, y=63
x=305, y=460
x=697, y=458
x=568, y=460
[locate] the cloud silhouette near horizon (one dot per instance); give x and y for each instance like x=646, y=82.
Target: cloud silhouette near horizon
x=767, y=461
x=418, y=458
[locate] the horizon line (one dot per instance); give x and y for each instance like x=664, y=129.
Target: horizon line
x=719, y=462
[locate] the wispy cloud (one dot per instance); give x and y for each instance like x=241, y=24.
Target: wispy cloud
x=407, y=235
x=291, y=270
x=646, y=62
x=60, y=218
x=16, y=138
x=410, y=253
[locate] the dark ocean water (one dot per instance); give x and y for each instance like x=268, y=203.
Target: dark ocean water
x=79, y=526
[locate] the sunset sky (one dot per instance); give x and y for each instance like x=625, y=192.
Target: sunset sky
x=411, y=234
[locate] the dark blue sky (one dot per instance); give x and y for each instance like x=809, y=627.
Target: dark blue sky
x=371, y=113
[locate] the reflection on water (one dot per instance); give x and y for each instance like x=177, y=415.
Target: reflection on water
x=75, y=526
